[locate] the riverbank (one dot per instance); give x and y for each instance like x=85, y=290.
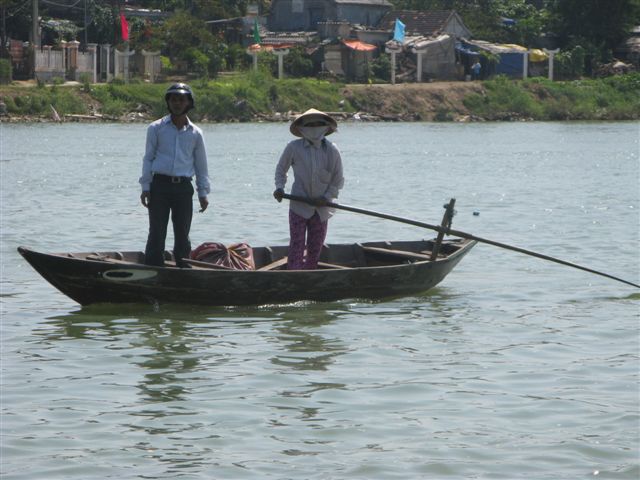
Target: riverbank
x=255, y=97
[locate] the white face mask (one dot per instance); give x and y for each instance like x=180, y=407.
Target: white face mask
x=314, y=134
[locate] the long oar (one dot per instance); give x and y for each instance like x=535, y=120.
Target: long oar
x=460, y=234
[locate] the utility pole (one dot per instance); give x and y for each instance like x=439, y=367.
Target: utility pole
x=36, y=33
x=85, y=26
x=3, y=32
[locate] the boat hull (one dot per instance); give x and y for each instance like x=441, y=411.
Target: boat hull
x=89, y=282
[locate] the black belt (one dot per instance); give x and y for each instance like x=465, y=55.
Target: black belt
x=168, y=178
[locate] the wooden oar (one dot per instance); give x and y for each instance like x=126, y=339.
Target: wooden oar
x=460, y=234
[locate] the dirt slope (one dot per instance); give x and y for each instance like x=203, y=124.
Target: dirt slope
x=413, y=101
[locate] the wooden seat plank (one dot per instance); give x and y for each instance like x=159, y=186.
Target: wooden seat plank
x=273, y=265
x=167, y=263
x=210, y=266
x=397, y=253
x=333, y=265
x=104, y=258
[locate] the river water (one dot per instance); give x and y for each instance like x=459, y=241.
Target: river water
x=512, y=368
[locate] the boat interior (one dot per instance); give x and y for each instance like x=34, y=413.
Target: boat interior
x=333, y=256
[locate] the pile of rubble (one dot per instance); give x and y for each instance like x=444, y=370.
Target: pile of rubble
x=614, y=68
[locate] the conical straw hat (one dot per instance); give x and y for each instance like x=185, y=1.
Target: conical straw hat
x=310, y=116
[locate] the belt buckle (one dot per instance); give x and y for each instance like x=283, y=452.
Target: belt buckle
x=176, y=179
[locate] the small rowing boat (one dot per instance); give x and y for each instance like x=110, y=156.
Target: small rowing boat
x=370, y=270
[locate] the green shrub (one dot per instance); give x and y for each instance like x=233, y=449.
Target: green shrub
x=267, y=63
x=11, y=105
x=624, y=83
x=5, y=71
x=504, y=98
x=65, y=101
x=197, y=61
x=236, y=57
x=542, y=99
x=166, y=63
x=119, y=98
x=115, y=107
x=443, y=114
x=85, y=79
x=381, y=68
x=38, y=101
x=297, y=63
x=570, y=63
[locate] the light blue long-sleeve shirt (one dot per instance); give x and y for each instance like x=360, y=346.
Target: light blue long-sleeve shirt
x=178, y=153
x=317, y=172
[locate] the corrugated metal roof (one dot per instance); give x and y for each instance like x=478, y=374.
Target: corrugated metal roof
x=287, y=38
x=419, y=42
x=424, y=42
x=151, y=13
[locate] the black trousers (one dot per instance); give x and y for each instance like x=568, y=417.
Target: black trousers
x=175, y=199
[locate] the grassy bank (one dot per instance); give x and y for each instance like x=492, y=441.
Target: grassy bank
x=238, y=98
x=253, y=96
x=611, y=98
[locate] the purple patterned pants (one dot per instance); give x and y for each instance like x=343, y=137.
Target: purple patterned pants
x=316, y=231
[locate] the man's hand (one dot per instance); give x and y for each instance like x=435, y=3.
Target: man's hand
x=204, y=203
x=320, y=202
x=145, y=198
x=278, y=193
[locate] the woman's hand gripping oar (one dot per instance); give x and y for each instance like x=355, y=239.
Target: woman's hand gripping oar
x=458, y=233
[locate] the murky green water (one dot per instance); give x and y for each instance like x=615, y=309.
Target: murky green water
x=512, y=368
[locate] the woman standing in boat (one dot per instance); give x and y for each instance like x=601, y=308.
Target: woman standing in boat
x=317, y=175
x=174, y=153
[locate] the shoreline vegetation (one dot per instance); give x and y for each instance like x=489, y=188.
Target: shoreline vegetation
x=255, y=97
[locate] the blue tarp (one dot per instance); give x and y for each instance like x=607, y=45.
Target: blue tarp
x=465, y=50
x=510, y=64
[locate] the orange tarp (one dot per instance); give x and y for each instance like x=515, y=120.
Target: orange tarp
x=358, y=45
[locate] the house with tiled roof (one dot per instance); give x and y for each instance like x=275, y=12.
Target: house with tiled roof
x=428, y=47
x=426, y=24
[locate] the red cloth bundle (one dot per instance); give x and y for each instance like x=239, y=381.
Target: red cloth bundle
x=238, y=256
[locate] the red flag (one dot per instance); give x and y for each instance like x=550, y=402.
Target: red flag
x=124, y=27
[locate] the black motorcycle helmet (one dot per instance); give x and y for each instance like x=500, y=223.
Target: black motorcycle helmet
x=181, y=89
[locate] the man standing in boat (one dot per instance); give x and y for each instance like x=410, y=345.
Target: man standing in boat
x=317, y=171
x=175, y=152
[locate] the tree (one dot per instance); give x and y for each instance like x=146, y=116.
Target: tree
x=601, y=22
x=216, y=9
x=15, y=22
x=530, y=22
x=298, y=63
x=482, y=17
x=182, y=31
x=187, y=40
x=101, y=28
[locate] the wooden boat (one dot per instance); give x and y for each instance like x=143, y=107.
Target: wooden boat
x=371, y=270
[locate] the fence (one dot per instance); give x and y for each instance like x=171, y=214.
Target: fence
x=97, y=64
x=50, y=64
